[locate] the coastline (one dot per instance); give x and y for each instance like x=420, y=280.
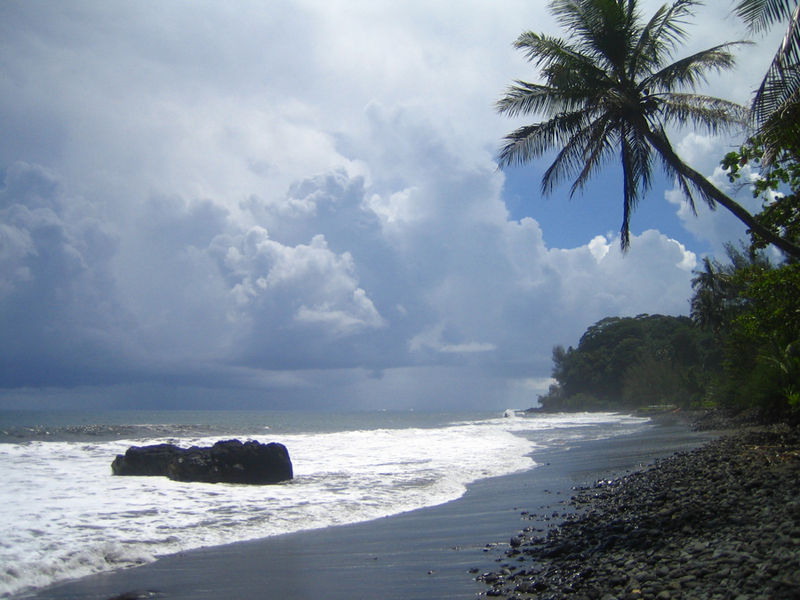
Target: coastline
x=429, y=553
x=721, y=521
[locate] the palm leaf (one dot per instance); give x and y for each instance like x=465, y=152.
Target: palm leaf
x=560, y=62
x=686, y=186
x=692, y=70
x=542, y=50
x=636, y=175
x=759, y=15
x=583, y=153
x=780, y=81
x=525, y=98
x=661, y=36
x=532, y=141
x=715, y=115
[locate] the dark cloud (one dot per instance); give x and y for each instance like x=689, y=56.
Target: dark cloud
x=60, y=316
x=281, y=205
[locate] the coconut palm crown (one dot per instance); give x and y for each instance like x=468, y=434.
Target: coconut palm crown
x=610, y=88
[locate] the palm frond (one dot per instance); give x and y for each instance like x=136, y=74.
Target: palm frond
x=629, y=199
x=531, y=141
x=759, y=15
x=601, y=29
x=560, y=62
x=686, y=186
x=790, y=45
x=635, y=155
x=782, y=129
x=600, y=148
x=613, y=24
x=542, y=49
x=715, y=115
x=583, y=153
x=660, y=37
x=775, y=94
x=689, y=72
x=525, y=98
x=574, y=15
x=641, y=153
x=781, y=79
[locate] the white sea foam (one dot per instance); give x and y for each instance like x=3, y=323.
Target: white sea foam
x=65, y=516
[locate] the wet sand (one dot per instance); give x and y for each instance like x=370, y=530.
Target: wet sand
x=429, y=553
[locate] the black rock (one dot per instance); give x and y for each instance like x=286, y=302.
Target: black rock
x=146, y=460
x=228, y=461
x=233, y=462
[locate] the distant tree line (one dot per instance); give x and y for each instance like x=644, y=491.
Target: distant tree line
x=630, y=362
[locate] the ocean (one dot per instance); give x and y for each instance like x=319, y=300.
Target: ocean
x=65, y=515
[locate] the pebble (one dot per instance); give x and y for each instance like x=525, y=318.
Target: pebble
x=721, y=521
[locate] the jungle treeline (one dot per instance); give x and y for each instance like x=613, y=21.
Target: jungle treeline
x=739, y=348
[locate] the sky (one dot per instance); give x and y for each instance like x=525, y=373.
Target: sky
x=296, y=204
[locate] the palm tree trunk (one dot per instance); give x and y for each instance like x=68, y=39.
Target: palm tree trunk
x=709, y=190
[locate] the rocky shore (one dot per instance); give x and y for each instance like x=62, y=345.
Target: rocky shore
x=720, y=522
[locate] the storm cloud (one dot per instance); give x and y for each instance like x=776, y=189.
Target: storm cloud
x=290, y=204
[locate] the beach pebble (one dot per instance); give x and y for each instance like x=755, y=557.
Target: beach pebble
x=722, y=521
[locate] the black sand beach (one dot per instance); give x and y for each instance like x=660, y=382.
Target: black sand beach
x=431, y=553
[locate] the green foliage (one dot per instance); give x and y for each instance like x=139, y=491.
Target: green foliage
x=765, y=338
x=753, y=311
x=777, y=184
x=652, y=381
x=630, y=362
x=741, y=346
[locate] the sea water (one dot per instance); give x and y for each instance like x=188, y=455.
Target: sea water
x=63, y=515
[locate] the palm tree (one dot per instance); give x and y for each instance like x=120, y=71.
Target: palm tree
x=609, y=87
x=776, y=105
x=710, y=296
x=718, y=287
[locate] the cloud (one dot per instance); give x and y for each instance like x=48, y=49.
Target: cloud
x=294, y=204
x=60, y=314
x=277, y=286
x=433, y=339
x=457, y=285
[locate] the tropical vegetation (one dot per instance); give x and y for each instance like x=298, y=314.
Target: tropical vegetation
x=633, y=362
x=776, y=183
x=740, y=348
x=611, y=87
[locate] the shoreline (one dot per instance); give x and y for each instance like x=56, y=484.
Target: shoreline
x=721, y=521
x=434, y=552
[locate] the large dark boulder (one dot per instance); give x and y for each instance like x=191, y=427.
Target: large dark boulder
x=233, y=462
x=146, y=460
x=228, y=461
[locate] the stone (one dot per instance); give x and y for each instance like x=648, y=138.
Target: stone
x=691, y=526
x=229, y=461
x=146, y=460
